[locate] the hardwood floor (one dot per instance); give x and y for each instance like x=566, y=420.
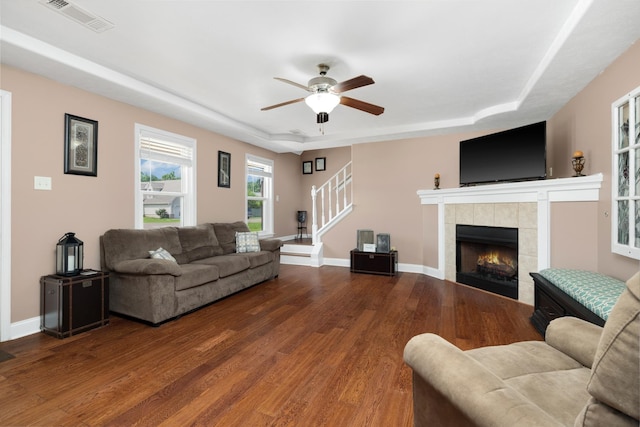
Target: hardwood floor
x=317, y=346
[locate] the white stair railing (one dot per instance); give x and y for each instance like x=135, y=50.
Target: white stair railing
x=336, y=197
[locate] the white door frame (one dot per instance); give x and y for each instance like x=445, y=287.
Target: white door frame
x=5, y=215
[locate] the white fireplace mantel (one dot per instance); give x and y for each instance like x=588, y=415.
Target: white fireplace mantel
x=576, y=189
x=543, y=192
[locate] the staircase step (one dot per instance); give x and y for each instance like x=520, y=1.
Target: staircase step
x=298, y=250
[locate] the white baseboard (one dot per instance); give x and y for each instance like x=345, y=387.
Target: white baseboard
x=337, y=262
x=295, y=260
x=346, y=262
x=25, y=327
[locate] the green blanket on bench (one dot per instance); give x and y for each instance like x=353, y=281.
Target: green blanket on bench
x=595, y=291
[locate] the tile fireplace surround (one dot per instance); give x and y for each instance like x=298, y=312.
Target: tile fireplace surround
x=522, y=205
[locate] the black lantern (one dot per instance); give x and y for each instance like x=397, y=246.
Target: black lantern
x=69, y=255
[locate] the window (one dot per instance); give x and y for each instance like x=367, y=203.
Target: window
x=165, y=179
x=625, y=219
x=259, y=194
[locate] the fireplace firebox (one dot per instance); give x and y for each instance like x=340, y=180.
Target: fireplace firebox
x=487, y=258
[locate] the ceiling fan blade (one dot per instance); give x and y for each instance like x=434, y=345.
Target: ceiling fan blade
x=292, y=83
x=282, y=104
x=361, y=105
x=353, y=83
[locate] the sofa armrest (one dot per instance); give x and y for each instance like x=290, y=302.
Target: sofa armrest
x=465, y=387
x=574, y=337
x=270, y=244
x=148, y=266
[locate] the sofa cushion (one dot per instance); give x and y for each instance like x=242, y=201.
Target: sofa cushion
x=522, y=358
x=256, y=259
x=195, y=275
x=197, y=242
x=560, y=393
x=535, y=369
x=615, y=376
x=227, y=264
x=247, y=241
x=226, y=234
x=597, y=292
x=126, y=244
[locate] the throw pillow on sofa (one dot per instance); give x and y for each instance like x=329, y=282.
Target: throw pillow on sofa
x=161, y=254
x=226, y=234
x=247, y=242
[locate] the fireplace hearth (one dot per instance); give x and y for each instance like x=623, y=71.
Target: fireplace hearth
x=487, y=258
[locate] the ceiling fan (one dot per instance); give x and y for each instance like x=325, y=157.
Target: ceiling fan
x=326, y=94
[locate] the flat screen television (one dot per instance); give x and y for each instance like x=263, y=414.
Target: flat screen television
x=513, y=155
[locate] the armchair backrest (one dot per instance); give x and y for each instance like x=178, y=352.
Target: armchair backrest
x=615, y=374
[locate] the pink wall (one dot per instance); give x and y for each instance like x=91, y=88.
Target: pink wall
x=386, y=178
x=89, y=206
x=584, y=123
x=336, y=159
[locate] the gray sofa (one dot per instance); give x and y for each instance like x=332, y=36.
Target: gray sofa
x=582, y=375
x=206, y=266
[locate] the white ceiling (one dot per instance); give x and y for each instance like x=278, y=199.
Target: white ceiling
x=439, y=65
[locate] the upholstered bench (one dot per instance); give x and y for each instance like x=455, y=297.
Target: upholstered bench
x=566, y=292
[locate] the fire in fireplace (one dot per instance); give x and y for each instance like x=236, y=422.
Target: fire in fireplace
x=487, y=258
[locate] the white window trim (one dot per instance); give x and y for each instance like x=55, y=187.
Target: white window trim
x=628, y=250
x=5, y=216
x=268, y=227
x=189, y=211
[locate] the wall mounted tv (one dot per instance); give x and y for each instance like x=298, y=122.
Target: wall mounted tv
x=512, y=155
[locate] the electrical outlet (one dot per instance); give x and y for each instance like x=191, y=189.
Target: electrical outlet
x=42, y=183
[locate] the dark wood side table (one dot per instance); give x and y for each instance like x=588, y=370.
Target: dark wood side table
x=74, y=304
x=374, y=262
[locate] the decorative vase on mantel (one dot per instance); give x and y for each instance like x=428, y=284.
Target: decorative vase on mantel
x=577, y=161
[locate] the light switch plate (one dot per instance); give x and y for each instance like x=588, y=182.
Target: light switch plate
x=42, y=183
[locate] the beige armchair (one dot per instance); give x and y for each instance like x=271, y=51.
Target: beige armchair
x=581, y=375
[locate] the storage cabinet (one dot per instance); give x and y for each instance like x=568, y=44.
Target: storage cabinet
x=374, y=262
x=70, y=305
x=551, y=303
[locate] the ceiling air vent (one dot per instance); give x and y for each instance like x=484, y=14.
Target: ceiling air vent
x=81, y=16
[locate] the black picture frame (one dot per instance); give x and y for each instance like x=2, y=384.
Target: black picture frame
x=80, y=145
x=224, y=169
x=321, y=164
x=307, y=167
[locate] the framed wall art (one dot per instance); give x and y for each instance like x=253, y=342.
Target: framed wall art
x=307, y=167
x=80, y=146
x=224, y=169
x=321, y=164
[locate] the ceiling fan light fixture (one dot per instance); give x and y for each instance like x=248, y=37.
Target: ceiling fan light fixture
x=322, y=102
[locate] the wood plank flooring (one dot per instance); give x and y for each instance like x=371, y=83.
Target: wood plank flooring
x=314, y=347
